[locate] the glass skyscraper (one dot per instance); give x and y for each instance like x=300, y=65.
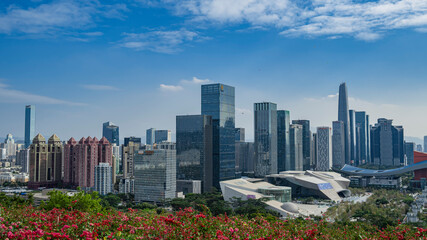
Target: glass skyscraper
x=111, y=132
x=194, y=149
x=306, y=142
x=150, y=137
x=352, y=127
x=218, y=102
x=361, y=141
x=343, y=115
x=30, y=124
x=265, y=119
x=283, y=144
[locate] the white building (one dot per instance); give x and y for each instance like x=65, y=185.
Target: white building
x=324, y=149
x=127, y=185
x=103, y=178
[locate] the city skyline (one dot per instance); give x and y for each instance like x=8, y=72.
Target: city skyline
x=100, y=62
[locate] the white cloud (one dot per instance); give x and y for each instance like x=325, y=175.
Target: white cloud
x=99, y=87
x=367, y=20
x=170, y=88
x=10, y=95
x=59, y=17
x=159, y=41
x=195, y=80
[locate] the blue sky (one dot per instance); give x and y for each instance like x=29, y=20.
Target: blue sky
x=141, y=63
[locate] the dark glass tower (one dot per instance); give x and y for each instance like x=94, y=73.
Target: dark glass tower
x=352, y=127
x=283, y=144
x=362, y=151
x=306, y=142
x=30, y=124
x=194, y=149
x=111, y=133
x=218, y=102
x=265, y=119
x=343, y=115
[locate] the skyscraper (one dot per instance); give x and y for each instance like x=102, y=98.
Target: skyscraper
x=239, y=134
x=103, y=178
x=265, y=119
x=194, y=149
x=45, y=162
x=9, y=145
x=368, y=140
x=425, y=144
x=296, y=162
x=338, y=150
x=150, y=137
x=387, y=144
x=362, y=140
x=30, y=124
x=324, y=149
x=343, y=115
x=283, y=141
x=218, y=102
x=162, y=136
x=306, y=142
x=111, y=132
x=352, y=128
x=409, y=152
x=129, y=148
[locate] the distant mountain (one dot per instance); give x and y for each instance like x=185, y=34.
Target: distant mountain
x=416, y=140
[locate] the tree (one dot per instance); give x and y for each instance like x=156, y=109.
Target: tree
x=87, y=202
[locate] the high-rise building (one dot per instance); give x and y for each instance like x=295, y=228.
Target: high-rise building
x=194, y=149
x=150, y=137
x=409, y=152
x=425, y=144
x=117, y=159
x=265, y=119
x=245, y=157
x=338, y=148
x=352, y=129
x=218, y=102
x=368, y=140
x=23, y=159
x=45, y=167
x=30, y=124
x=103, y=178
x=155, y=175
x=324, y=149
x=162, y=136
x=283, y=141
x=306, y=142
x=239, y=134
x=296, y=162
x=314, y=151
x=10, y=146
x=111, y=132
x=387, y=144
x=362, y=139
x=129, y=148
x=343, y=115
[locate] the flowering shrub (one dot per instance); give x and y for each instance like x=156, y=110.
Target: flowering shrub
x=32, y=223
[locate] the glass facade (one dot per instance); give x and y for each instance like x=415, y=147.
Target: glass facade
x=296, y=146
x=306, y=142
x=343, y=115
x=265, y=119
x=162, y=136
x=30, y=124
x=111, y=132
x=218, y=102
x=194, y=149
x=283, y=144
x=362, y=142
x=352, y=137
x=150, y=137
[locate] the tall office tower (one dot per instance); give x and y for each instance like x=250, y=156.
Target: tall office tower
x=368, y=140
x=324, y=149
x=343, y=115
x=80, y=159
x=387, y=144
x=30, y=124
x=117, y=158
x=239, y=134
x=218, y=102
x=314, y=151
x=425, y=144
x=155, y=175
x=10, y=146
x=111, y=132
x=283, y=141
x=129, y=148
x=296, y=162
x=45, y=162
x=409, y=152
x=306, y=142
x=245, y=157
x=23, y=159
x=150, y=137
x=194, y=149
x=352, y=128
x=265, y=119
x=362, y=140
x=338, y=149
x=162, y=136
x=103, y=178
x=419, y=148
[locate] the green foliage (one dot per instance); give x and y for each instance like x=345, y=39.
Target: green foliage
x=15, y=200
x=86, y=202
x=111, y=200
x=253, y=208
